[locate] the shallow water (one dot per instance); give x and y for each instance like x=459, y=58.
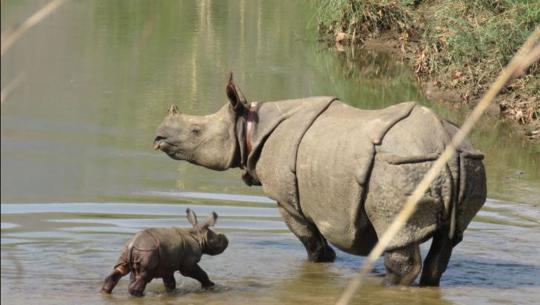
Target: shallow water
x=60, y=252
x=79, y=175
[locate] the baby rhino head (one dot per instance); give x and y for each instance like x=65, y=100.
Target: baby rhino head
x=212, y=243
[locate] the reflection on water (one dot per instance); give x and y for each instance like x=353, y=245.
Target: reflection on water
x=79, y=175
x=512, y=162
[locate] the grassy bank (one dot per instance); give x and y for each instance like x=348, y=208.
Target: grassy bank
x=457, y=47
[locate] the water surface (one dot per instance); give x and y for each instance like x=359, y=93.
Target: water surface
x=79, y=175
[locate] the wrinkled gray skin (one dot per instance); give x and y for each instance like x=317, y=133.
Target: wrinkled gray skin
x=158, y=253
x=341, y=174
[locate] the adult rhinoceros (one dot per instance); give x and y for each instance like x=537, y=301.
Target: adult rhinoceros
x=341, y=174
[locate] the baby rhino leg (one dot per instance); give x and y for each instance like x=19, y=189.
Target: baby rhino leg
x=196, y=272
x=136, y=287
x=144, y=264
x=169, y=282
x=402, y=265
x=120, y=269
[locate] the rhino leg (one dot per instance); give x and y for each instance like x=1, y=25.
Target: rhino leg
x=110, y=282
x=169, y=282
x=402, y=265
x=437, y=258
x=137, y=286
x=120, y=269
x=131, y=278
x=144, y=264
x=196, y=272
x=316, y=246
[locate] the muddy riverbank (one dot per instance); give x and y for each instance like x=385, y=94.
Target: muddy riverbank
x=455, y=48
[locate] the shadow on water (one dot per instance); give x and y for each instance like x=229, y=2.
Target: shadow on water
x=481, y=272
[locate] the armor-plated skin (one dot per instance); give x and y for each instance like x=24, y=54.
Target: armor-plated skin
x=341, y=174
x=159, y=252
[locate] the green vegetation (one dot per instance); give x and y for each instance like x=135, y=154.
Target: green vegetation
x=459, y=45
x=362, y=18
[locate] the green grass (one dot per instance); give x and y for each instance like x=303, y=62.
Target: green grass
x=461, y=44
x=471, y=31
x=359, y=18
x=460, y=31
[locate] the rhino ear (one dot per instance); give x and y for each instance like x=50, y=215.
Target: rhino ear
x=238, y=101
x=211, y=220
x=192, y=218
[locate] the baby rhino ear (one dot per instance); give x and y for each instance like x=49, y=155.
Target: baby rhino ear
x=211, y=220
x=192, y=218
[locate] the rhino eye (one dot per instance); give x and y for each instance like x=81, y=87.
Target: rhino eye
x=196, y=130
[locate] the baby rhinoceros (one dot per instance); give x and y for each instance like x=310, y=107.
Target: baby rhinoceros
x=158, y=253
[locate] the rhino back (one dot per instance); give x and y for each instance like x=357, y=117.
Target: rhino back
x=174, y=246
x=406, y=153
x=333, y=165
x=280, y=129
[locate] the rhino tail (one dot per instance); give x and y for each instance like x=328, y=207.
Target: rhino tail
x=130, y=254
x=459, y=199
x=123, y=264
x=452, y=229
x=471, y=191
x=457, y=196
x=452, y=195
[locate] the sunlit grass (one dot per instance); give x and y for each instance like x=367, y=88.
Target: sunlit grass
x=463, y=43
x=360, y=17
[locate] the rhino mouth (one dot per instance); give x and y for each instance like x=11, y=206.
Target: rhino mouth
x=172, y=150
x=161, y=144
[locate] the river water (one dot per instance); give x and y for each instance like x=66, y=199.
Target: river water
x=79, y=175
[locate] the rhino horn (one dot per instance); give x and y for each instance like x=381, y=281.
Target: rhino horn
x=173, y=110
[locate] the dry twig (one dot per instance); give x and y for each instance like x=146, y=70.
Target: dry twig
x=13, y=36
x=6, y=91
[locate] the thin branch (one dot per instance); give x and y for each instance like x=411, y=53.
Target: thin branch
x=514, y=69
x=12, y=85
x=14, y=35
